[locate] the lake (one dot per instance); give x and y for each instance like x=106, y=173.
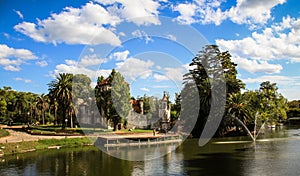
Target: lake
x=275, y=153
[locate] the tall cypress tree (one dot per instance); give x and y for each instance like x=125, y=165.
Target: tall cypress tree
x=113, y=96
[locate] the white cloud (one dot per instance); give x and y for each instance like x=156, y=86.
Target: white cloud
x=19, y=14
x=83, y=25
x=7, y=52
x=252, y=11
x=91, y=60
x=288, y=85
x=119, y=56
x=159, y=77
x=290, y=93
x=188, y=67
x=281, y=41
x=172, y=74
x=6, y=35
x=171, y=37
x=91, y=50
x=187, y=13
x=254, y=66
x=42, y=63
x=175, y=74
x=145, y=89
x=22, y=79
x=209, y=11
x=142, y=35
x=72, y=66
x=203, y=11
x=11, y=58
x=11, y=68
x=133, y=68
x=140, y=12
x=272, y=78
x=122, y=34
x=88, y=65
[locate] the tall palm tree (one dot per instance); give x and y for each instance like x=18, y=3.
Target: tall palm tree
x=237, y=107
x=42, y=104
x=61, y=90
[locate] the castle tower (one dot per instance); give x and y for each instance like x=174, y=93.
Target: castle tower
x=165, y=112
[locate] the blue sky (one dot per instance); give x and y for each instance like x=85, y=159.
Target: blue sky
x=150, y=42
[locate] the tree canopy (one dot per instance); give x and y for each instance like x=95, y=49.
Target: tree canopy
x=112, y=97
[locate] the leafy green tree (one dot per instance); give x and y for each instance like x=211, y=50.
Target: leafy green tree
x=176, y=107
x=101, y=96
x=3, y=109
x=233, y=84
x=293, y=109
x=120, y=93
x=10, y=98
x=294, y=104
x=113, y=96
x=208, y=67
x=190, y=109
x=82, y=87
x=273, y=104
x=150, y=106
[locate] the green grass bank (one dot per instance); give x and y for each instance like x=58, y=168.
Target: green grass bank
x=27, y=146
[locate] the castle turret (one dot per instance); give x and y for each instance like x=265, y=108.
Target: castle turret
x=165, y=112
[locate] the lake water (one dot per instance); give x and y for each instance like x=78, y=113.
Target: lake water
x=275, y=153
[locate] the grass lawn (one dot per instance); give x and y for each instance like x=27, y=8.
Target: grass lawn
x=51, y=129
x=3, y=133
x=80, y=131
x=25, y=146
x=134, y=131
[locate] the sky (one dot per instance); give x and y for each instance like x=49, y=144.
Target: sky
x=151, y=42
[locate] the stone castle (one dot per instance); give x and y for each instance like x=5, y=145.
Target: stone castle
x=88, y=113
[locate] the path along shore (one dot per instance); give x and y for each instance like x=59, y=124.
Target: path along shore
x=19, y=136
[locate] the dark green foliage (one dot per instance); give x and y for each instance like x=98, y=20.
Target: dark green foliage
x=18, y=107
x=150, y=106
x=176, y=107
x=211, y=68
x=64, y=91
x=112, y=97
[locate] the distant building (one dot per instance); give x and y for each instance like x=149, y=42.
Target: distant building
x=137, y=105
x=103, y=85
x=87, y=113
x=165, y=112
x=93, y=115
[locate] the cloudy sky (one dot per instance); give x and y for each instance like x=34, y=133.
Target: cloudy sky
x=150, y=42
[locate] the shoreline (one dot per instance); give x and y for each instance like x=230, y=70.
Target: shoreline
x=20, y=141
x=42, y=144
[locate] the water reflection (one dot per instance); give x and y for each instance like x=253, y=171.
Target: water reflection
x=140, y=153
x=278, y=156
x=171, y=164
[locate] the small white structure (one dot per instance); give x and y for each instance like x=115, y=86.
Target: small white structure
x=164, y=112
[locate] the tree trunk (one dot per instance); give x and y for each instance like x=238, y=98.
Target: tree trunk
x=71, y=121
x=115, y=126
x=64, y=120
x=43, y=116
